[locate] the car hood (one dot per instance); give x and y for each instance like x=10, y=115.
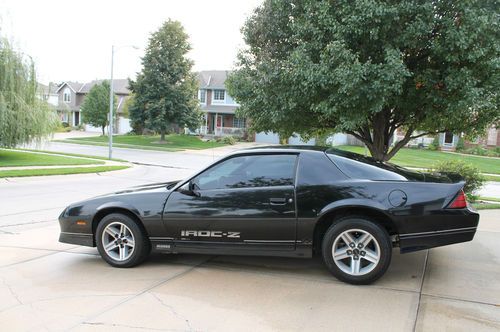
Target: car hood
x=151, y=187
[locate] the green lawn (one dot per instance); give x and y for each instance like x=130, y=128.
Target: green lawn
x=486, y=206
x=58, y=171
x=173, y=142
x=74, y=155
x=11, y=158
x=425, y=158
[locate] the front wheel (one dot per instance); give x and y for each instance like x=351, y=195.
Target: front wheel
x=357, y=250
x=120, y=241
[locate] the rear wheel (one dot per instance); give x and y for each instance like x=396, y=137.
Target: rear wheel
x=357, y=250
x=120, y=241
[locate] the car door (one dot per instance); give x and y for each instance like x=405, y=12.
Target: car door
x=243, y=202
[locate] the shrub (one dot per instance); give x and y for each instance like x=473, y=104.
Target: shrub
x=477, y=150
x=435, y=144
x=65, y=124
x=460, y=144
x=228, y=140
x=471, y=174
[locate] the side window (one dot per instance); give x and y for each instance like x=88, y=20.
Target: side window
x=249, y=171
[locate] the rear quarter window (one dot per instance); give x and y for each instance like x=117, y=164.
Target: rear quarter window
x=366, y=169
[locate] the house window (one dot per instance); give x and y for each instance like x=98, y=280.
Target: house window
x=202, y=95
x=219, y=96
x=67, y=95
x=239, y=122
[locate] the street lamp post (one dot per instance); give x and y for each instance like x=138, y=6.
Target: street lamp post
x=112, y=99
x=111, y=104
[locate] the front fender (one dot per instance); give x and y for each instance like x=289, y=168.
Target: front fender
x=118, y=205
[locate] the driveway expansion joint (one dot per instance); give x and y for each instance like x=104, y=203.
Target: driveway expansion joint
x=420, y=290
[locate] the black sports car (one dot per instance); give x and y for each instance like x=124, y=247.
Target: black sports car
x=280, y=201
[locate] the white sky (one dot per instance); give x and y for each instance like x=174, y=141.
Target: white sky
x=71, y=40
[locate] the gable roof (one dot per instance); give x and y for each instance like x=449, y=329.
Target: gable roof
x=212, y=79
x=120, y=86
x=74, y=86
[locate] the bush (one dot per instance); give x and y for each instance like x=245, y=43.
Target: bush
x=65, y=124
x=435, y=144
x=228, y=140
x=460, y=144
x=477, y=150
x=471, y=174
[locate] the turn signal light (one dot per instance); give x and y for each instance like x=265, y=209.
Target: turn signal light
x=459, y=202
x=81, y=222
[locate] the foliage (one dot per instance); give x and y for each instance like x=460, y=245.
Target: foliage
x=434, y=146
x=472, y=176
x=126, y=106
x=460, y=144
x=95, y=106
x=166, y=89
x=368, y=68
x=480, y=151
x=227, y=140
x=24, y=117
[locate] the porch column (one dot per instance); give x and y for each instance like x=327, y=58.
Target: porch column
x=206, y=124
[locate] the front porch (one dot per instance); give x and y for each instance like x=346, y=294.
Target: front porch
x=220, y=124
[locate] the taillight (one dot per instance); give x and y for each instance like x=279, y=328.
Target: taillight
x=459, y=202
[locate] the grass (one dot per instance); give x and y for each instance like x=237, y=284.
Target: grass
x=59, y=171
x=13, y=158
x=492, y=178
x=491, y=199
x=74, y=155
x=486, y=206
x=426, y=158
x=174, y=142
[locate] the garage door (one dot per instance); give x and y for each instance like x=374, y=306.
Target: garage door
x=270, y=138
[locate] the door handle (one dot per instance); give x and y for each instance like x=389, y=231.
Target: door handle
x=279, y=201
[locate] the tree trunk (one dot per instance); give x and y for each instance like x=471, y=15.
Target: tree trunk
x=103, y=127
x=162, y=135
x=377, y=136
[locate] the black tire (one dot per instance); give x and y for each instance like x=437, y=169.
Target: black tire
x=134, y=255
x=368, y=270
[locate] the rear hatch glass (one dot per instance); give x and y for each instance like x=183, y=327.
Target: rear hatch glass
x=357, y=166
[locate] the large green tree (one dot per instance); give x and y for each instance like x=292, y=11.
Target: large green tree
x=370, y=67
x=95, y=106
x=166, y=90
x=24, y=116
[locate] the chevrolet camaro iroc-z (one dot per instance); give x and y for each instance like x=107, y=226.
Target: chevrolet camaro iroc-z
x=280, y=201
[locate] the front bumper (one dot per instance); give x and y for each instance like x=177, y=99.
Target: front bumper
x=76, y=230
x=77, y=238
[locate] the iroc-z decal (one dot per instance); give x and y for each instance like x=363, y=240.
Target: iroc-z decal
x=234, y=235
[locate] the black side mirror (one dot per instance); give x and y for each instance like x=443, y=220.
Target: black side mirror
x=190, y=189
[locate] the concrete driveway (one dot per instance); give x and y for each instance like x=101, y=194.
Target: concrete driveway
x=48, y=285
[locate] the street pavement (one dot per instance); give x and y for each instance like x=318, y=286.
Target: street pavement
x=47, y=285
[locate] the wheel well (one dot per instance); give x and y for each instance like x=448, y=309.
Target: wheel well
x=104, y=212
x=331, y=217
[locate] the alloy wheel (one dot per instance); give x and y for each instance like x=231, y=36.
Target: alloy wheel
x=356, y=252
x=118, y=241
